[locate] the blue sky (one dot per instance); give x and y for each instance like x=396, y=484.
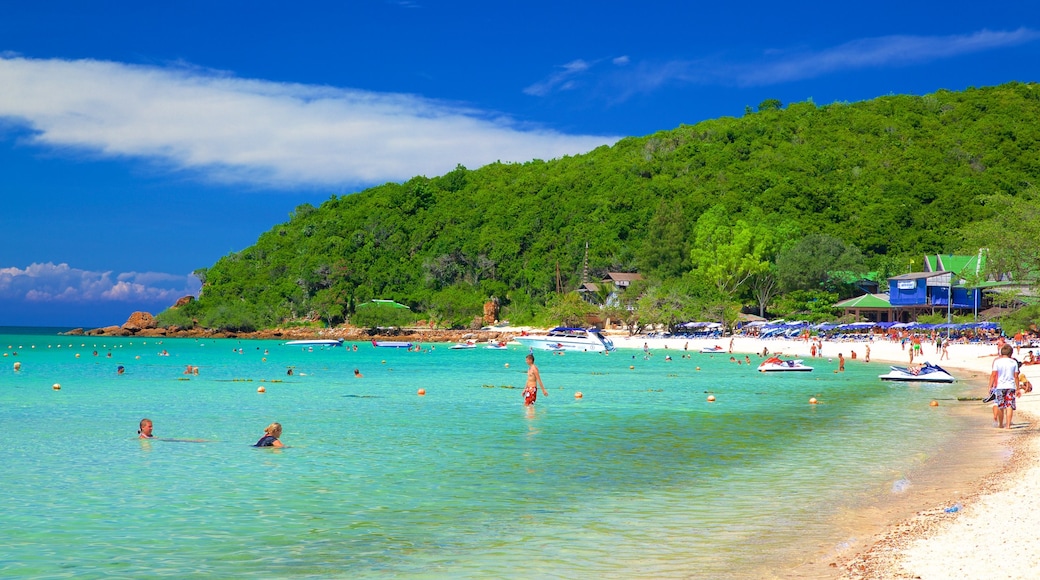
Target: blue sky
x=142, y=140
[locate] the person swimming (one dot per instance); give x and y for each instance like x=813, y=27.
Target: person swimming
x=271, y=435
x=144, y=430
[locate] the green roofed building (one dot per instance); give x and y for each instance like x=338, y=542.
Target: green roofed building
x=871, y=307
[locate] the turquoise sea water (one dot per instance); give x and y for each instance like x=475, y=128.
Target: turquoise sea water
x=642, y=477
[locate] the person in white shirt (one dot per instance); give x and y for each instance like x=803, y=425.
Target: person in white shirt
x=1003, y=383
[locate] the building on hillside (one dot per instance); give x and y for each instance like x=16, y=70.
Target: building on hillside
x=614, y=283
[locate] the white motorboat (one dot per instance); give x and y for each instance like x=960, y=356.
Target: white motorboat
x=775, y=364
x=564, y=338
x=315, y=342
x=926, y=373
x=497, y=345
x=464, y=345
x=391, y=344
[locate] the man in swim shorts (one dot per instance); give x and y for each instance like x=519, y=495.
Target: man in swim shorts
x=1003, y=384
x=534, y=380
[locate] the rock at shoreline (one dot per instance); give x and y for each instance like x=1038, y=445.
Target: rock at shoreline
x=139, y=321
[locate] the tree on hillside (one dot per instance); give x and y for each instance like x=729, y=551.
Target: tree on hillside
x=664, y=252
x=728, y=252
x=1010, y=236
x=808, y=264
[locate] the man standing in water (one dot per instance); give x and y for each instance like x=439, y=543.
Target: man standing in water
x=1003, y=382
x=534, y=380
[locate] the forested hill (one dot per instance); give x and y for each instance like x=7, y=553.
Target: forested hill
x=895, y=177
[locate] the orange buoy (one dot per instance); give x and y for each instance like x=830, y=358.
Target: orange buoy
x=812, y=400
x=578, y=395
x=422, y=391
x=698, y=368
x=933, y=404
x=56, y=387
x=261, y=390
x=711, y=398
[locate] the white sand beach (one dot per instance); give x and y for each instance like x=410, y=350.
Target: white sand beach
x=991, y=534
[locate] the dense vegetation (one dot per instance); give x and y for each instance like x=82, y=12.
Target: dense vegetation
x=752, y=211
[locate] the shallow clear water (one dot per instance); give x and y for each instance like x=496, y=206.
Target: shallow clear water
x=640, y=478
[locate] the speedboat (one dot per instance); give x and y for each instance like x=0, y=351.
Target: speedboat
x=391, y=344
x=563, y=338
x=464, y=345
x=315, y=342
x=926, y=373
x=496, y=345
x=776, y=364
x=712, y=349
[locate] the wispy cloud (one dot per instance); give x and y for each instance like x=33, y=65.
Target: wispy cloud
x=774, y=66
x=253, y=131
x=876, y=52
x=51, y=282
x=561, y=80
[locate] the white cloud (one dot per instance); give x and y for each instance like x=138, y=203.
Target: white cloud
x=776, y=66
x=264, y=133
x=51, y=282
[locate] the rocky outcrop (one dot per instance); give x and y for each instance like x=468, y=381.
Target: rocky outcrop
x=109, y=331
x=183, y=301
x=139, y=321
x=491, y=311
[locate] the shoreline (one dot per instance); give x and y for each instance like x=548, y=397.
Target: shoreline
x=994, y=510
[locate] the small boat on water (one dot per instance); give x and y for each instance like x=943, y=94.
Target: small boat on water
x=563, y=338
x=315, y=342
x=775, y=364
x=391, y=344
x=497, y=345
x=464, y=345
x=926, y=373
x=713, y=349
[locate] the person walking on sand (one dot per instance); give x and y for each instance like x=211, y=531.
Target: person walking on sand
x=841, y=363
x=1003, y=382
x=271, y=435
x=534, y=380
x=867, y=357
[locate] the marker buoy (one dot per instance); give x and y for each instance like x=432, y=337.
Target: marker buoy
x=631, y=367
x=422, y=391
x=812, y=400
x=578, y=395
x=698, y=368
x=507, y=365
x=933, y=404
x=56, y=387
x=261, y=390
x=711, y=398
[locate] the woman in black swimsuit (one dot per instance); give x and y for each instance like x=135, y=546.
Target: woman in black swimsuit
x=271, y=435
